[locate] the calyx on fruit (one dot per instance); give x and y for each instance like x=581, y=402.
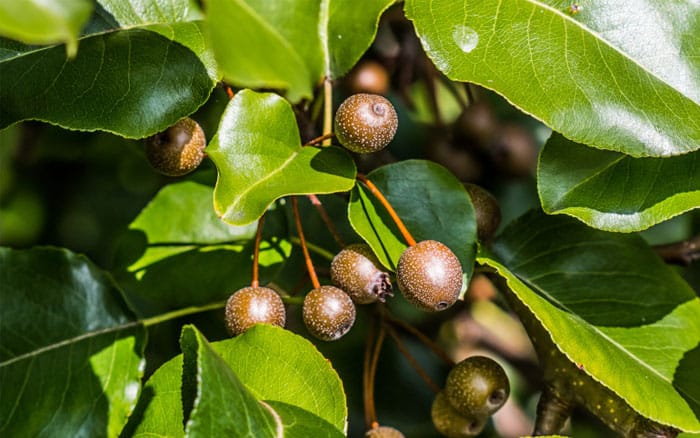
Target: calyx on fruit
x=356, y=271
x=328, y=313
x=365, y=123
x=477, y=386
x=453, y=424
x=429, y=275
x=253, y=305
x=178, y=150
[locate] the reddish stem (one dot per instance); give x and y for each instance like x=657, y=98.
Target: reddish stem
x=439, y=352
x=319, y=139
x=307, y=258
x=326, y=219
x=395, y=217
x=230, y=92
x=412, y=360
x=369, y=373
x=256, y=252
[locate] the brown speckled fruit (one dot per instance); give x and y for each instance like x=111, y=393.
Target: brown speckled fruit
x=178, y=150
x=365, y=123
x=368, y=77
x=328, y=313
x=253, y=305
x=514, y=150
x=488, y=213
x=357, y=271
x=477, y=386
x=429, y=275
x=451, y=423
x=384, y=432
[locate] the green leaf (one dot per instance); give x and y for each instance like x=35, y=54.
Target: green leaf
x=276, y=366
x=611, y=304
x=258, y=153
x=635, y=91
x=430, y=201
x=133, y=83
x=33, y=22
x=223, y=406
x=71, y=348
x=180, y=254
x=261, y=45
x=613, y=191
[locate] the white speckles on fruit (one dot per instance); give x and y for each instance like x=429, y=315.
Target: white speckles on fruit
x=477, y=386
x=328, y=313
x=253, y=305
x=178, y=150
x=357, y=271
x=384, y=432
x=429, y=275
x=451, y=423
x=365, y=123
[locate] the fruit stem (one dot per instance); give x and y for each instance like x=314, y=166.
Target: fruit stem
x=439, y=352
x=412, y=360
x=229, y=92
x=315, y=248
x=256, y=252
x=369, y=370
x=319, y=139
x=327, y=110
x=395, y=217
x=307, y=258
x=327, y=220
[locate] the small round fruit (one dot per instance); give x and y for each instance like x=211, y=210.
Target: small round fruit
x=451, y=423
x=514, y=150
x=478, y=123
x=488, y=213
x=384, y=432
x=328, y=313
x=365, y=123
x=429, y=275
x=477, y=386
x=368, y=77
x=356, y=271
x=178, y=150
x=253, y=305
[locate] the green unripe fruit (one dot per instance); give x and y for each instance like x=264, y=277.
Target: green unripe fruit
x=384, y=432
x=356, y=271
x=487, y=211
x=328, y=313
x=365, y=123
x=429, y=275
x=253, y=305
x=477, y=386
x=178, y=150
x=451, y=423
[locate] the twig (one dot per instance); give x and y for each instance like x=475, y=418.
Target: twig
x=680, y=253
x=439, y=352
x=412, y=360
x=327, y=220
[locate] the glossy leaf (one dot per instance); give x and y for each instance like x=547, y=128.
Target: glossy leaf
x=618, y=77
x=276, y=366
x=71, y=348
x=430, y=201
x=609, y=303
x=258, y=153
x=33, y=22
x=262, y=44
x=179, y=253
x=613, y=191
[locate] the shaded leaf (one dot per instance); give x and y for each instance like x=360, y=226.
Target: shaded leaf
x=71, y=348
x=33, y=22
x=611, y=304
x=179, y=253
x=258, y=153
x=430, y=201
x=612, y=191
x=635, y=91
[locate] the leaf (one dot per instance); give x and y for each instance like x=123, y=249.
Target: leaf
x=635, y=91
x=259, y=44
x=258, y=153
x=613, y=191
x=609, y=303
x=132, y=83
x=180, y=254
x=33, y=22
x=430, y=201
x=71, y=348
x=276, y=366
